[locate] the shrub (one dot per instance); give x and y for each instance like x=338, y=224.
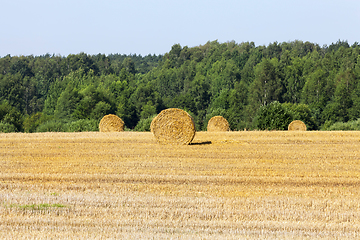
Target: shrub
x=343, y=126
x=144, y=124
x=33, y=121
x=273, y=116
x=82, y=125
x=301, y=112
x=52, y=126
x=7, y=127
x=11, y=117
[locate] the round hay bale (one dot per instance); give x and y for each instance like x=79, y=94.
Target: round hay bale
x=218, y=124
x=297, y=125
x=173, y=126
x=111, y=123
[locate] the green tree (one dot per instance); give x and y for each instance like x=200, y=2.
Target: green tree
x=294, y=81
x=315, y=92
x=267, y=86
x=255, y=57
x=31, y=103
x=355, y=95
x=33, y=121
x=339, y=108
x=238, y=100
x=200, y=93
x=222, y=100
x=145, y=93
x=148, y=110
x=52, y=97
x=12, y=90
x=20, y=65
x=223, y=75
x=67, y=103
x=100, y=109
x=273, y=116
x=129, y=65
x=10, y=118
x=82, y=60
x=183, y=101
x=144, y=124
x=301, y=112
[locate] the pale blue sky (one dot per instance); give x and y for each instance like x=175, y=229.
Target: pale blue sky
x=151, y=27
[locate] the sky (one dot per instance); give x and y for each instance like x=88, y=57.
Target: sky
x=64, y=27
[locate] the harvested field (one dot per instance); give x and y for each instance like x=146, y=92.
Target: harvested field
x=230, y=185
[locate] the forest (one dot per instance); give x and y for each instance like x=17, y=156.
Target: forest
x=253, y=87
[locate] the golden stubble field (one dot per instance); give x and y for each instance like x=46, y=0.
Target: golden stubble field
x=232, y=185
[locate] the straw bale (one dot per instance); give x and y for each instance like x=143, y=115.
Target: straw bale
x=218, y=124
x=111, y=123
x=173, y=126
x=297, y=125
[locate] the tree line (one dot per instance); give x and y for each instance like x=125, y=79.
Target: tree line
x=253, y=87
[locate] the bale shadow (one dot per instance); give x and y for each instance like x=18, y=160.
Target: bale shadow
x=200, y=143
